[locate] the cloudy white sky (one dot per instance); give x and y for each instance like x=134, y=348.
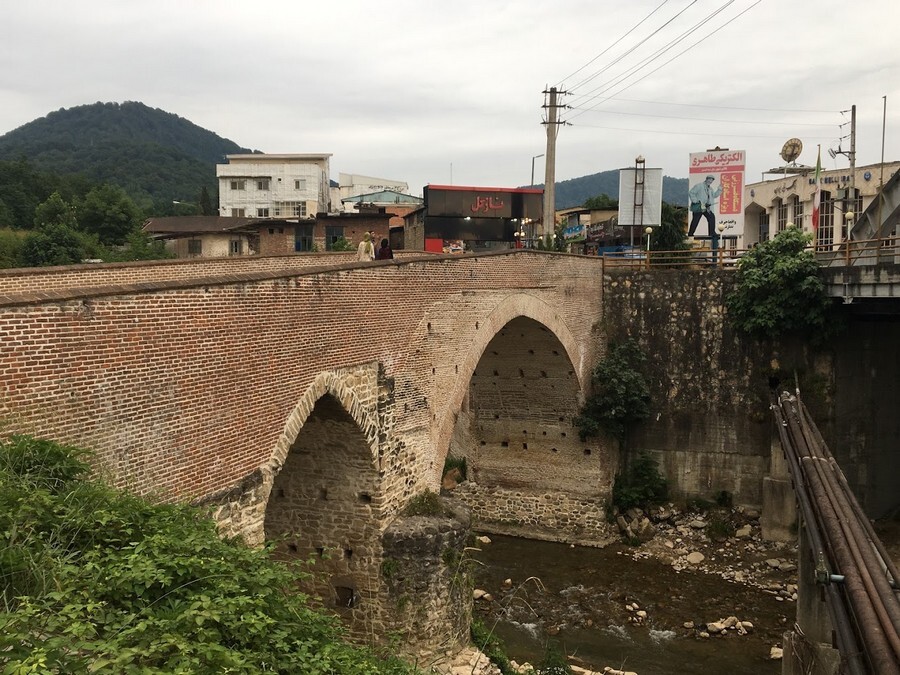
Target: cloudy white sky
x=431, y=91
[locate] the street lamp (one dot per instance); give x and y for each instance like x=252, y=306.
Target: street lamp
x=532, y=167
x=520, y=234
x=720, y=228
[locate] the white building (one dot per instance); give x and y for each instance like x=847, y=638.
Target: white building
x=771, y=205
x=274, y=186
x=354, y=185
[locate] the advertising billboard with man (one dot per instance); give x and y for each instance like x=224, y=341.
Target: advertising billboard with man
x=715, y=193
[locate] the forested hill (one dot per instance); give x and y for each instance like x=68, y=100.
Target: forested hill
x=154, y=155
x=576, y=191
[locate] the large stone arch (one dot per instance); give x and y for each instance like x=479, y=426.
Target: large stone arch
x=512, y=307
x=323, y=501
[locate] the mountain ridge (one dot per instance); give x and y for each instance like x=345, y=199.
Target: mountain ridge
x=158, y=156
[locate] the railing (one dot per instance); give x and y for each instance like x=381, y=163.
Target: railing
x=859, y=252
x=863, y=252
x=692, y=258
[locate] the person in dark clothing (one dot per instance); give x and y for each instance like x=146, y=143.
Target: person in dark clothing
x=385, y=252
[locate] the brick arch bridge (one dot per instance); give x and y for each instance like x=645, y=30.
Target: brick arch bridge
x=310, y=399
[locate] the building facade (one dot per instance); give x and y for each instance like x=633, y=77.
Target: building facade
x=274, y=186
x=773, y=204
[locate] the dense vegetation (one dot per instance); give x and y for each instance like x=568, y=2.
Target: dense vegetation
x=155, y=156
x=620, y=395
x=99, y=581
x=779, y=291
x=47, y=219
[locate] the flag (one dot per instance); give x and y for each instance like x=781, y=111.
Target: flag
x=817, y=195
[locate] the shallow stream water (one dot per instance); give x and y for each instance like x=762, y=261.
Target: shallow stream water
x=577, y=597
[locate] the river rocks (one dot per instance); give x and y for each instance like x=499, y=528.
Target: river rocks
x=743, y=532
x=698, y=524
x=695, y=558
x=483, y=539
x=467, y=661
x=776, y=653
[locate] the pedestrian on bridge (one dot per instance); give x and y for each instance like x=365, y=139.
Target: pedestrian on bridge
x=366, y=249
x=385, y=252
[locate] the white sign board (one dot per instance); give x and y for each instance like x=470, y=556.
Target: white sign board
x=640, y=197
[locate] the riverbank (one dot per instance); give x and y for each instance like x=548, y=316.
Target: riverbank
x=692, y=580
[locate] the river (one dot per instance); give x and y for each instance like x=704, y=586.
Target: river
x=578, y=597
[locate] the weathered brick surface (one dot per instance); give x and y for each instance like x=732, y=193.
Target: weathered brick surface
x=188, y=387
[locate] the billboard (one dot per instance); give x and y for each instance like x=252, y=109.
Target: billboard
x=481, y=214
x=640, y=197
x=715, y=193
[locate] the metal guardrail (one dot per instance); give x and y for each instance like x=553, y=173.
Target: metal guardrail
x=844, y=254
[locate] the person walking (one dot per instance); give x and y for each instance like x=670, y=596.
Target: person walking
x=366, y=249
x=385, y=252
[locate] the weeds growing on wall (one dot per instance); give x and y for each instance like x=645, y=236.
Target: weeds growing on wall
x=96, y=580
x=452, y=462
x=620, y=395
x=425, y=503
x=641, y=485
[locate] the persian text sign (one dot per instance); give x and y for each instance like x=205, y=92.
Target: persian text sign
x=716, y=189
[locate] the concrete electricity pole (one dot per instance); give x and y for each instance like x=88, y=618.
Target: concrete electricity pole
x=548, y=222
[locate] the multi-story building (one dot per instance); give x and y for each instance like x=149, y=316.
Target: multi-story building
x=274, y=186
x=771, y=205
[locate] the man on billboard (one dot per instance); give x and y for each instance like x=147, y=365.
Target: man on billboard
x=702, y=197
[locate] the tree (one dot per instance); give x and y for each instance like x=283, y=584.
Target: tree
x=670, y=235
x=109, y=212
x=601, y=202
x=55, y=211
x=206, y=206
x=620, y=395
x=52, y=244
x=779, y=291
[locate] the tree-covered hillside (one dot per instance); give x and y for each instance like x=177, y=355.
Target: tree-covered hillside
x=576, y=191
x=154, y=155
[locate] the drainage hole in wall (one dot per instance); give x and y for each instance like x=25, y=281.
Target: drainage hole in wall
x=320, y=551
x=293, y=548
x=524, y=446
x=553, y=450
x=365, y=498
x=348, y=553
x=345, y=596
x=323, y=493
x=563, y=434
x=504, y=444
x=587, y=451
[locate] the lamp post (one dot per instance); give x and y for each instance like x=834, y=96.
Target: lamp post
x=519, y=234
x=532, y=167
x=720, y=229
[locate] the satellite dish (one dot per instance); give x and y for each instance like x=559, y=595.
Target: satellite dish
x=791, y=150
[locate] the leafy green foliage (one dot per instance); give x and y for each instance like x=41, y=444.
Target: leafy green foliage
x=554, y=661
x=425, y=503
x=779, y=291
x=451, y=462
x=577, y=191
x=153, y=155
x=620, y=395
x=110, y=214
x=52, y=244
x=100, y=581
x=640, y=485
x=493, y=648
x=601, y=202
x=342, y=244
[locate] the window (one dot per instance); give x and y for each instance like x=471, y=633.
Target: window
x=300, y=209
x=798, y=212
x=763, y=227
x=262, y=184
x=781, y=215
x=235, y=247
x=825, y=233
x=300, y=184
x=238, y=185
x=332, y=234
x=303, y=238
x=262, y=213
x=290, y=209
x=195, y=247
x=237, y=213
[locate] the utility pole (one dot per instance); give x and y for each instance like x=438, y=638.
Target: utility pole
x=853, y=201
x=548, y=223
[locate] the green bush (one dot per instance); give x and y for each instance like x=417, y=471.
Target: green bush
x=493, y=648
x=425, y=503
x=621, y=396
x=455, y=463
x=554, y=661
x=640, y=485
x=779, y=290
x=96, y=580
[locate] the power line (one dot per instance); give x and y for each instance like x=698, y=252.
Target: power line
x=699, y=119
x=618, y=79
x=635, y=47
x=681, y=53
x=687, y=133
x=722, y=107
x=631, y=30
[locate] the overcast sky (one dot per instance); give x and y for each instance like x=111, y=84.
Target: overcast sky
x=432, y=91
